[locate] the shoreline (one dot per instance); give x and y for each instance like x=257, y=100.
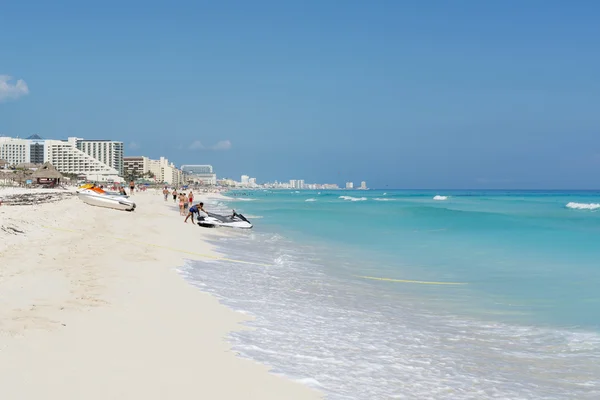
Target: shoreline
x=92, y=306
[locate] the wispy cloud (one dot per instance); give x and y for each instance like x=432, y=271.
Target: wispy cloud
x=11, y=89
x=197, y=145
x=133, y=145
x=220, y=145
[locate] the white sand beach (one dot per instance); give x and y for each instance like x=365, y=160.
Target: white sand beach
x=91, y=307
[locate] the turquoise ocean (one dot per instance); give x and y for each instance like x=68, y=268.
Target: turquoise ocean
x=383, y=294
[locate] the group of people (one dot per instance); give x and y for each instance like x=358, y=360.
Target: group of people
x=186, y=203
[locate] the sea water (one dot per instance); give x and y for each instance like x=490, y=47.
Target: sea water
x=417, y=294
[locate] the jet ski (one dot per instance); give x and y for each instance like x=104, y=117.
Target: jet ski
x=95, y=196
x=234, y=220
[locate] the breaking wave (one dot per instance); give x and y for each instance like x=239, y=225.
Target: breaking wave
x=350, y=198
x=583, y=206
x=440, y=198
x=309, y=200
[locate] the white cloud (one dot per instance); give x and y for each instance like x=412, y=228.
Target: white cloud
x=134, y=145
x=10, y=89
x=197, y=145
x=220, y=145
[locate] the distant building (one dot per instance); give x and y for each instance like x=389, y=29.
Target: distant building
x=109, y=152
x=245, y=180
x=252, y=182
x=203, y=174
x=349, y=185
x=67, y=158
x=100, y=161
x=166, y=172
x=363, y=185
x=14, y=151
x=136, y=166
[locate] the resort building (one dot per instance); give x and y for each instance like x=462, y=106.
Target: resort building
x=202, y=174
x=349, y=185
x=14, y=151
x=109, y=152
x=96, y=160
x=36, y=149
x=136, y=166
x=162, y=169
x=67, y=158
x=165, y=172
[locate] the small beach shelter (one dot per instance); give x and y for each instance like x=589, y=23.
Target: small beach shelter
x=47, y=174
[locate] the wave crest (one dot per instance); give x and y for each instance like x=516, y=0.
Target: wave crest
x=440, y=198
x=583, y=206
x=310, y=200
x=350, y=198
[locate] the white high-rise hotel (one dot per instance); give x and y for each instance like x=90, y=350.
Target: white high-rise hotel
x=99, y=160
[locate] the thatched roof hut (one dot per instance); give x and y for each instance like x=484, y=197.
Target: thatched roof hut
x=47, y=174
x=28, y=166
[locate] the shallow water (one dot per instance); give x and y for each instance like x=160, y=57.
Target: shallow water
x=523, y=324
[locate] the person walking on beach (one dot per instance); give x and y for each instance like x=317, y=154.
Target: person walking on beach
x=191, y=198
x=197, y=209
x=131, y=186
x=174, y=195
x=186, y=204
x=181, y=197
x=166, y=193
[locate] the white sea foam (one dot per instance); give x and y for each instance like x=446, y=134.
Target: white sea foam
x=440, y=198
x=305, y=320
x=242, y=199
x=350, y=198
x=583, y=206
x=382, y=199
x=309, y=200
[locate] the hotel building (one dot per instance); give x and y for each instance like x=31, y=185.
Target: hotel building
x=162, y=169
x=64, y=155
x=14, y=151
x=67, y=158
x=203, y=174
x=109, y=152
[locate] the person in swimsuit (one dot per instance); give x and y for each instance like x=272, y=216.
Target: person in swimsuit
x=131, y=186
x=174, y=195
x=191, y=198
x=186, y=204
x=197, y=209
x=181, y=196
x=166, y=193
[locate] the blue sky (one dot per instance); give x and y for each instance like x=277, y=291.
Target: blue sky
x=408, y=94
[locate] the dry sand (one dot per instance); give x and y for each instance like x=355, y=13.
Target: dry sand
x=91, y=307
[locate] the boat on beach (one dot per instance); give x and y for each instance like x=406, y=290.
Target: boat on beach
x=95, y=196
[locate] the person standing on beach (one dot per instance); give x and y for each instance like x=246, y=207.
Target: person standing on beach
x=166, y=193
x=181, y=197
x=191, y=198
x=174, y=195
x=131, y=186
x=186, y=204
